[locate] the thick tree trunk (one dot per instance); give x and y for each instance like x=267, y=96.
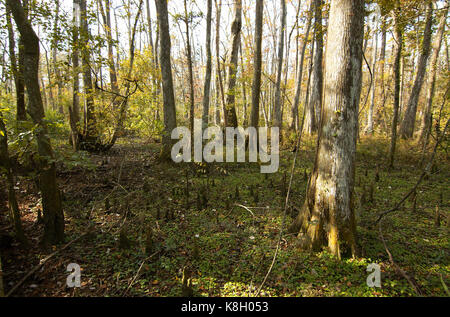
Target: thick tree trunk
x=257, y=64
x=408, y=123
x=207, y=85
x=398, y=30
x=278, y=120
x=427, y=118
x=317, y=76
x=295, y=118
x=51, y=198
x=170, y=122
x=230, y=106
x=327, y=217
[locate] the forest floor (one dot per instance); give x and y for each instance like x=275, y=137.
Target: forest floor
x=144, y=231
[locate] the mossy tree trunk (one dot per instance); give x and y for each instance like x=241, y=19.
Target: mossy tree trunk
x=327, y=217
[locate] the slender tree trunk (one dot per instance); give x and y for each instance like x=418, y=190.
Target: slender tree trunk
x=230, y=107
x=408, y=123
x=207, y=86
x=51, y=198
x=398, y=30
x=327, y=217
x=317, y=75
x=54, y=45
x=257, y=64
x=16, y=70
x=427, y=118
x=170, y=122
x=369, y=127
x=90, y=130
x=218, y=6
x=298, y=91
x=74, y=109
x=278, y=120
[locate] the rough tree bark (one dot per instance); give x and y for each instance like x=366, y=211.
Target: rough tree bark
x=327, y=217
x=51, y=197
x=408, y=123
x=257, y=60
x=170, y=122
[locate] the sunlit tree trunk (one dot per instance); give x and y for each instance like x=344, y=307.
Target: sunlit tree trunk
x=327, y=217
x=219, y=79
x=167, y=81
x=427, y=117
x=409, y=120
x=51, y=197
x=369, y=127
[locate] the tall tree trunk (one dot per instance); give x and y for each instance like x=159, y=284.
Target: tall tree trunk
x=207, y=86
x=74, y=109
x=257, y=61
x=190, y=73
x=277, y=106
x=54, y=44
x=218, y=6
x=317, y=75
x=327, y=217
x=427, y=117
x=17, y=70
x=51, y=198
x=230, y=107
x=298, y=91
x=170, y=122
x=369, y=127
x=398, y=32
x=407, y=126
x=90, y=130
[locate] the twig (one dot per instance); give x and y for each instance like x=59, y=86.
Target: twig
x=138, y=272
x=399, y=270
x=297, y=145
x=41, y=264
